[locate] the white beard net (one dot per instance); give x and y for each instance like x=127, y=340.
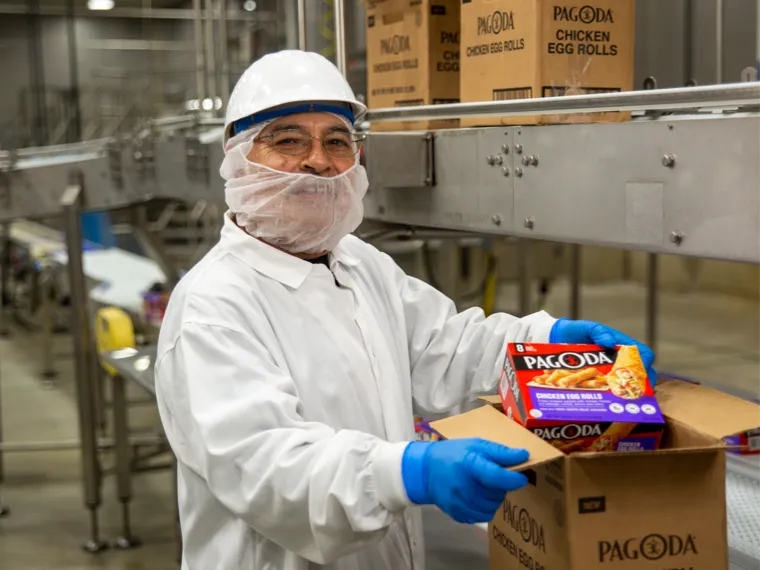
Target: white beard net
x=298, y=213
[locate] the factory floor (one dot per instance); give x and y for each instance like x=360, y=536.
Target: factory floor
x=706, y=337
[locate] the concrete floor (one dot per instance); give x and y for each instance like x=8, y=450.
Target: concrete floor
x=711, y=338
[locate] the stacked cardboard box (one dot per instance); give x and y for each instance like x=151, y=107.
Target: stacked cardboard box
x=522, y=49
x=412, y=57
x=510, y=49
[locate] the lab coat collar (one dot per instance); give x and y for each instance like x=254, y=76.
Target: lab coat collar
x=339, y=255
x=267, y=260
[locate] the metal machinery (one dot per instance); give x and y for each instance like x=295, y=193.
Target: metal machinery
x=681, y=177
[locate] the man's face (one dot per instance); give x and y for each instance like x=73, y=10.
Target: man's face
x=306, y=207
x=315, y=161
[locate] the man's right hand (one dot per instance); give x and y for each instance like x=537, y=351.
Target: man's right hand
x=465, y=478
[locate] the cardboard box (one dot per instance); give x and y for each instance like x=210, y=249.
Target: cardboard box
x=412, y=57
x=581, y=397
x=747, y=443
x=650, y=510
x=523, y=49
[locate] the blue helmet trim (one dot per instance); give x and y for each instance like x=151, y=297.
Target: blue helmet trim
x=247, y=122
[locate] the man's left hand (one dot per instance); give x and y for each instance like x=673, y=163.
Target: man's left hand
x=586, y=332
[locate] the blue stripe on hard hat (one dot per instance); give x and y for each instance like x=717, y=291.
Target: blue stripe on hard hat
x=247, y=122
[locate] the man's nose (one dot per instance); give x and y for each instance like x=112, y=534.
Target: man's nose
x=317, y=160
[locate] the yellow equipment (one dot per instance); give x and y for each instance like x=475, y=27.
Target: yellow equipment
x=113, y=331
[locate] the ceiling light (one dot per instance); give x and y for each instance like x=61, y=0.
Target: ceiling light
x=249, y=5
x=208, y=104
x=100, y=4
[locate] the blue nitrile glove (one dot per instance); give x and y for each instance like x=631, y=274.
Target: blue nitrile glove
x=566, y=331
x=465, y=478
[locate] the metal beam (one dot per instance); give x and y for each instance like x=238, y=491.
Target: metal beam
x=139, y=45
x=140, y=13
x=722, y=96
x=647, y=185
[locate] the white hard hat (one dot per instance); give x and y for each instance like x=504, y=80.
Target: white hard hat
x=286, y=78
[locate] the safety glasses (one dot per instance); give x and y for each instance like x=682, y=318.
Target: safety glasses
x=295, y=142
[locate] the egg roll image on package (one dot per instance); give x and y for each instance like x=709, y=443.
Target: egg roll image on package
x=582, y=397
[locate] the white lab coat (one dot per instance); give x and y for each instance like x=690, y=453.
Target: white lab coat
x=289, y=400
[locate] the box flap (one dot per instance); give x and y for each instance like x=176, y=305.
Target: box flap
x=709, y=411
x=489, y=423
x=491, y=400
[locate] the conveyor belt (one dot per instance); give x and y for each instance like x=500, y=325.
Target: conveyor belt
x=743, y=499
x=43, y=161
x=122, y=277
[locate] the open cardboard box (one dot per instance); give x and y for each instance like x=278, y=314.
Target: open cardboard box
x=657, y=510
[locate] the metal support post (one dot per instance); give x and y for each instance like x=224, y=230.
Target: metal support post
x=75, y=123
x=524, y=276
x=340, y=36
x=3, y=508
x=99, y=409
x=575, y=281
x=4, y=296
x=688, y=38
x=224, y=76
x=152, y=247
x=719, y=41
x=757, y=31
x=200, y=54
x=652, y=298
x=5, y=291
x=627, y=266
x=72, y=202
x=177, y=522
x=302, y=25
x=449, y=261
x=37, y=75
x=46, y=346
x=208, y=8
x=123, y=461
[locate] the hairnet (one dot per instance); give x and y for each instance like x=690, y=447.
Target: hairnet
x=296, y=212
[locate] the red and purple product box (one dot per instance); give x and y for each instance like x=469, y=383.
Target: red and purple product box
x=749, y=442
x=582, y=397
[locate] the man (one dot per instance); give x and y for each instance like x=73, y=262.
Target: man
x=293, y=356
